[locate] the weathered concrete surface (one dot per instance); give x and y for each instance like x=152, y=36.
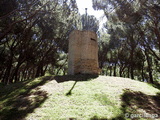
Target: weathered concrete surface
x=83, y=53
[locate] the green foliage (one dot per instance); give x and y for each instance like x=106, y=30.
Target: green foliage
x=33, y=33
x=133, y=27
x=89, y=22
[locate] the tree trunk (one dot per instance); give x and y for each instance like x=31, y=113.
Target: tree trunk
x=45, y=69
x=142, y=72
x=37, y=72
x=120, y=71
x=1, y=74
x=131, y=65
x=128, y=74
x=6, y=79
x=149, y=67
x=132, y=73
x=115, y=66
x=110, y=70
x=15, y=74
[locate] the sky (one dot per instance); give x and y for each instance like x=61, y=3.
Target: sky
x=82, y=4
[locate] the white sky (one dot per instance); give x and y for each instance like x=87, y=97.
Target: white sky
x=82, y=4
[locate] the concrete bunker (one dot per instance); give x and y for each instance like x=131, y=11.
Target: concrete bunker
x=83, y=53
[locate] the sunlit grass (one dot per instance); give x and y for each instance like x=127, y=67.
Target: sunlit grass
x=98, y=98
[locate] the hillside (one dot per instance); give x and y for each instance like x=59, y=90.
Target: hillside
x=79, y=98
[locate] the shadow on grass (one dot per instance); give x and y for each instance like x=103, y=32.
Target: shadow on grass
x=156, y=84
x=79, y=77
x=134, y=103
x=70, y=91
x=76, y=78
x=19, y=99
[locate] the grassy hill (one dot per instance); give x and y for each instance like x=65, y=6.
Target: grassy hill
x=79, y=98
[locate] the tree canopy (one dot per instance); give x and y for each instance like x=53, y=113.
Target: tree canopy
x=34, y=37
x=133, y=47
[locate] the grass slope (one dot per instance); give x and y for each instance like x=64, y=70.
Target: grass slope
x=79, y=98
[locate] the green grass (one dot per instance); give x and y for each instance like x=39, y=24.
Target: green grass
x=78, y=97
